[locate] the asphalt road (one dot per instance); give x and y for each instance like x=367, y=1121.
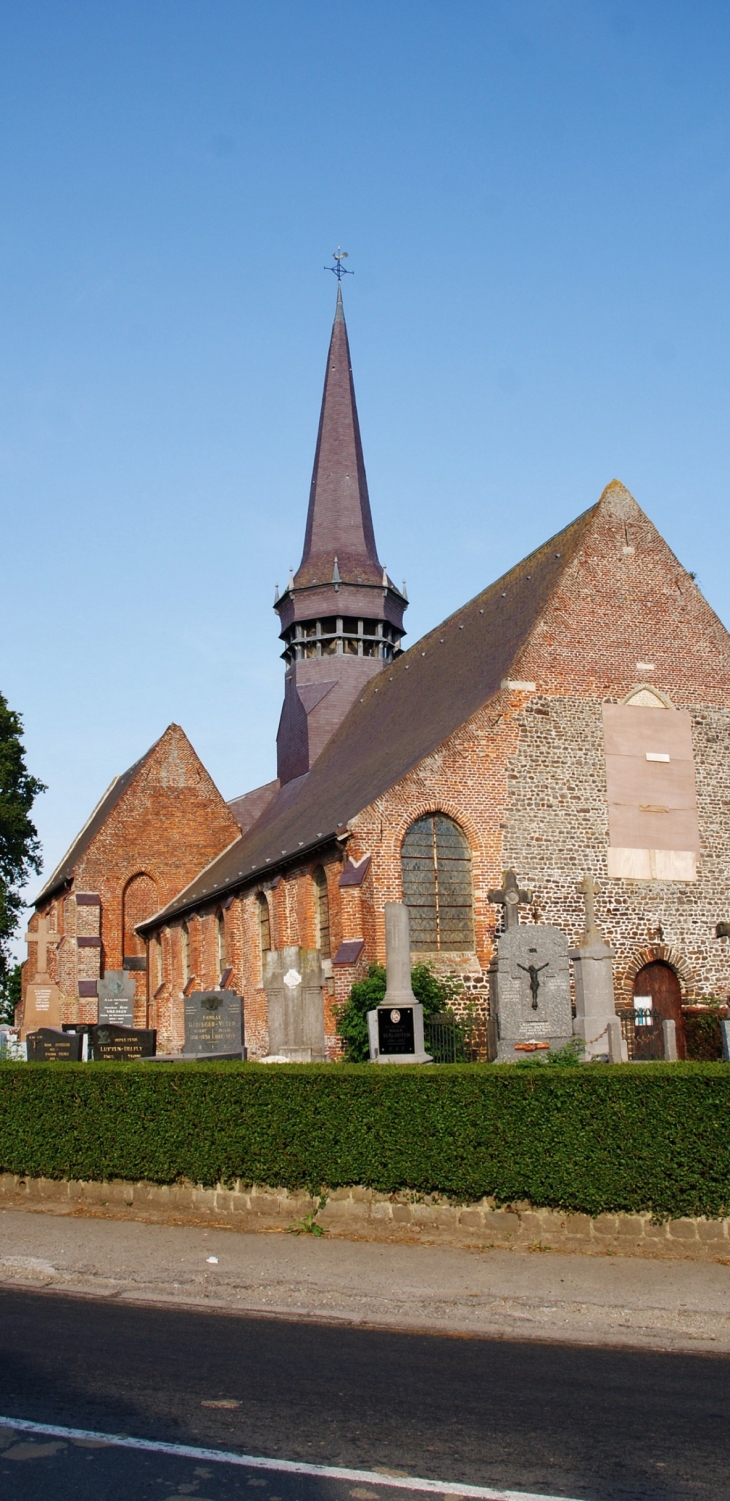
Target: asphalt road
x=564, y=1421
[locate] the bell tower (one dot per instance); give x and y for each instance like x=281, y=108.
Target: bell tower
x=341, y=616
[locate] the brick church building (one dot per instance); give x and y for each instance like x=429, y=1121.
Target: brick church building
x=571, y=719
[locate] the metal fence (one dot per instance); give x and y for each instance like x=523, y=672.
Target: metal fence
x=456, y=1039
x=642, y=1031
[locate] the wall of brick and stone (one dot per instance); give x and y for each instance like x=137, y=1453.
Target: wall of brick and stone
x=363, y=1214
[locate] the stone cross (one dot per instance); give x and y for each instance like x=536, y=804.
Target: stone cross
x=589, y=890
x=510, y=897
x=43, y=938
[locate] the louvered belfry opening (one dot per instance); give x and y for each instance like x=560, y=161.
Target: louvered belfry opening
x=437, y=886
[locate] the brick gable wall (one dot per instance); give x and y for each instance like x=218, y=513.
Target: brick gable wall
x=170, y=822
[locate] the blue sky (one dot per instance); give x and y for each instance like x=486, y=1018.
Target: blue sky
x=535, y=198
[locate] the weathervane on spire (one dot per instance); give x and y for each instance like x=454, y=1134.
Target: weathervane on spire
x=338, y=269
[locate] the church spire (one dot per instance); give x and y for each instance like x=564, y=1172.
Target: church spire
x=341, y=616
x=339, y=522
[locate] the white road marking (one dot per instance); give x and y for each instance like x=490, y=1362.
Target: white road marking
x=285, y=1466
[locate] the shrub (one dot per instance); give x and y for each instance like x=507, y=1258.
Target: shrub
x=652, y=1137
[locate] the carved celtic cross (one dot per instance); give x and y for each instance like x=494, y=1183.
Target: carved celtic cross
x=510, y=897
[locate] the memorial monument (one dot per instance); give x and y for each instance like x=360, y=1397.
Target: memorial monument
x=529, y=983
x=596, y=1022
x=52, y=1045
x=42, y=996
x=293, y=981
x=111, y=1043
x=213, y=1024
x=116, y=998
x=395, y=1027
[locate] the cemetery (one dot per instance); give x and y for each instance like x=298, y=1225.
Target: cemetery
x=597, y=1135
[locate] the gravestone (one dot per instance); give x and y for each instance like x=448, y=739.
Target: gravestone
x=395, y=1027
x=42, y=1006
x=529, y=984
x=43, y=1003
x=52, y=1045
x=11, y=1048
x=725, y=1034
x=110, y=1043
x=293, y=981
x=116, y=998
x=213, y=1024
x=593, y=971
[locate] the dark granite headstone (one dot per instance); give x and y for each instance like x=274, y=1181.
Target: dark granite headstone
x=116, y=998
x=51, y=1045
x=121, y=1044
x=213, y=1023
x=395, y=1030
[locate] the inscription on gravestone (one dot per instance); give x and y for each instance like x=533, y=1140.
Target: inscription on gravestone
x=51, y=1045
x=121, y=1044
x=396, y=1032
x=116, y=998
x=213, y=1022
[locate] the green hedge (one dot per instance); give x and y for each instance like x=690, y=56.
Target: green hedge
x=652, y=1137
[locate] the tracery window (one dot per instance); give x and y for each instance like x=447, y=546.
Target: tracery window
x=437, y=884
x=322, y=912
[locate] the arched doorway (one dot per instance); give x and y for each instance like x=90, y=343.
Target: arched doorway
x=659, y=981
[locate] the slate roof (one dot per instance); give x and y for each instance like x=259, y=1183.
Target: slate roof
x=63, y=874
x=249, y=807
x=404, y=713
x=339, y=522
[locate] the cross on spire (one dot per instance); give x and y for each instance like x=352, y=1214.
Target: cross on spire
x=510, y=897
x=338, y=269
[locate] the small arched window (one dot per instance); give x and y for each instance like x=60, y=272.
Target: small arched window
x=220, y=939
x=437, y=887
x=264, y=923
x=322, y=912
x=185, y=944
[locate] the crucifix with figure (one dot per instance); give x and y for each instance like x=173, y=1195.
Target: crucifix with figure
x=511, y=897
x=45, y=938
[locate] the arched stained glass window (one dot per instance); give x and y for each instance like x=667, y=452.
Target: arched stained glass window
x=185, y=944
x=437, y=888
x=322, y=900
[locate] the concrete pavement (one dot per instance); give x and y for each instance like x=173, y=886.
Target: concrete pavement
x=608, y=1300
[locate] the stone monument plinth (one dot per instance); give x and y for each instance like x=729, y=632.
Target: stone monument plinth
x=595, y=1009
x=395, y=1027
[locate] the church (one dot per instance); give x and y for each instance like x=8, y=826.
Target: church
x=570, y=720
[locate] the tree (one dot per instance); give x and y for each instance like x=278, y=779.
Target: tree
x=20, y=851
x=435, y=992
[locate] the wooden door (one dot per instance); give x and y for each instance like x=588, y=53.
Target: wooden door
x=660, y=982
